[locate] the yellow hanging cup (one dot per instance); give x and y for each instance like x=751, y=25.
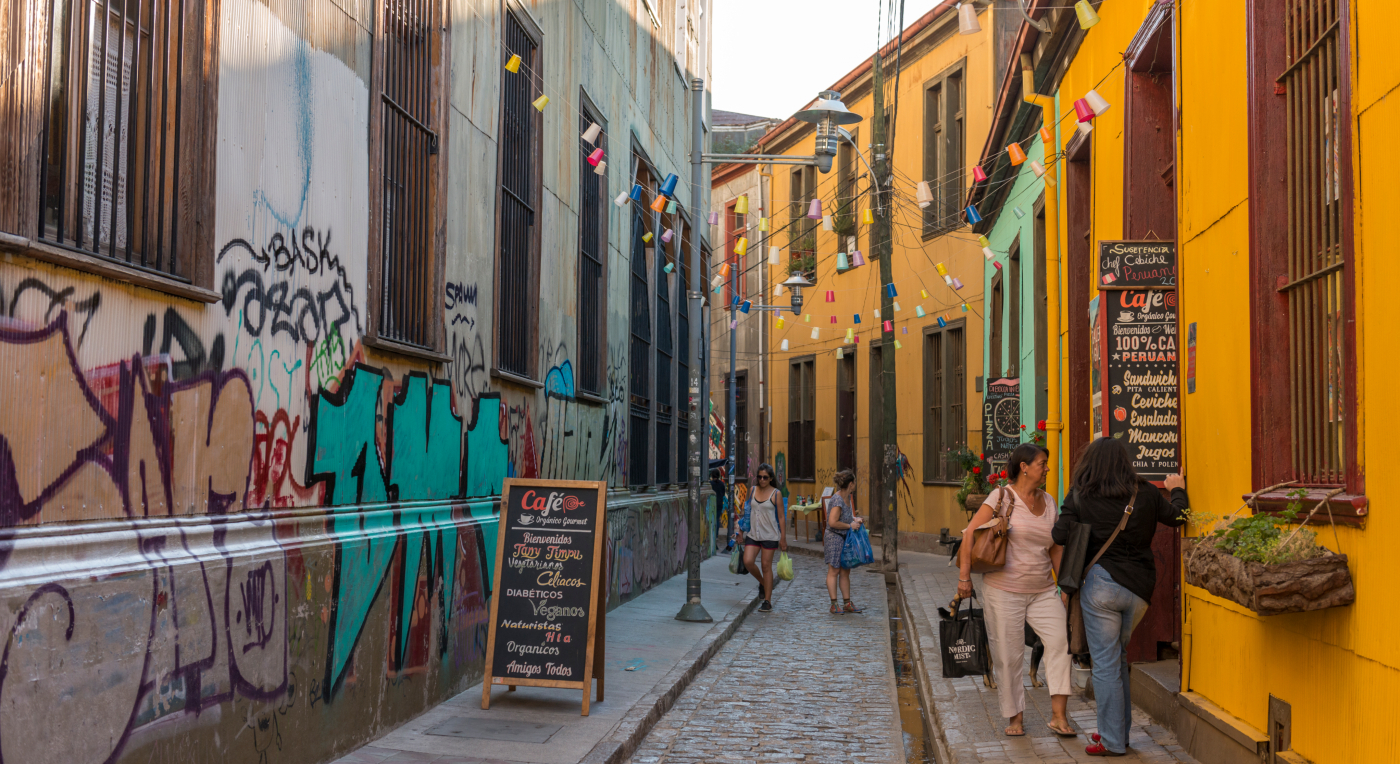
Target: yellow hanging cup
x=866, y=217
x=541, y=102
x=513, y=65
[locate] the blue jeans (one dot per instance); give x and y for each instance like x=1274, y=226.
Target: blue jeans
x=1111, y=612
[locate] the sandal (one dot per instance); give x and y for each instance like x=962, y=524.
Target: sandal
x=836, y=609
x=1060, y=732
x=851, y=608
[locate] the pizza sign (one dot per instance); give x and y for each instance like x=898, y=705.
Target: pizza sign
x=1001, y=420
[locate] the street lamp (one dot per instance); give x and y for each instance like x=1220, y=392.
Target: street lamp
x=827, y=113
x=795, y=283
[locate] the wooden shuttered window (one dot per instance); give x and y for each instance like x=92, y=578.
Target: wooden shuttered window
x=802, y=420
x=944, y=149
x=945, y=401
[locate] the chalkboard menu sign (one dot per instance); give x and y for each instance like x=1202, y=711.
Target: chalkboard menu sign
x=1137, y=265
x=547, y=612
x=1001, y=421
x=1141, y=385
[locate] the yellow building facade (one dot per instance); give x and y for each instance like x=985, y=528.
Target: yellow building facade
x=826, y=362
x=1282, y=326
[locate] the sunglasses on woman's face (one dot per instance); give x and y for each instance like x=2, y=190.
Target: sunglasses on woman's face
x=764, y=477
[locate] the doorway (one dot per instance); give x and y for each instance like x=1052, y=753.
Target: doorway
x=877, y=444
x=846, y=413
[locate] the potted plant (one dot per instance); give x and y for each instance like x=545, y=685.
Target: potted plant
x=974, y=482
x=805, y=264
x=1256, y=562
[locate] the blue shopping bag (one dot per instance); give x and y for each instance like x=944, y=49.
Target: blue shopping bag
x=857, y=551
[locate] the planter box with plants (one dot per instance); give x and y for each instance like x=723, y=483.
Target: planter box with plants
x=1255, y=562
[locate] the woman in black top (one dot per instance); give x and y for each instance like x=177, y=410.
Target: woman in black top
x=1119, y=586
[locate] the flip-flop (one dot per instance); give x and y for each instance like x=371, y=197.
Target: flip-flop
x=1071, y=733
x=1022, y=733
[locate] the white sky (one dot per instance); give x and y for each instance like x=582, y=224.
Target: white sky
x=772, y=56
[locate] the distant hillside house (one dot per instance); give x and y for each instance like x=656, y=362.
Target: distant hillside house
x=734, y=133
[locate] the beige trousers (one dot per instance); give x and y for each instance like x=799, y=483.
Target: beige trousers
x=1007, y=613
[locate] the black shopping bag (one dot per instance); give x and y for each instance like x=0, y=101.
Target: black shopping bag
x=963, y=635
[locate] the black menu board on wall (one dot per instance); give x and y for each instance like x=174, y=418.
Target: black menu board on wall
x=1137, y=265
x=1001, y=421
x=548, y=611
x=1141, y=387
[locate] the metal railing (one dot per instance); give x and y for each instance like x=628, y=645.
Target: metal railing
x=408, y=273
x=518, y=171
x=1316, y=255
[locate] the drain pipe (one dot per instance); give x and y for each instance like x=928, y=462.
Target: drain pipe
x=1053, y=426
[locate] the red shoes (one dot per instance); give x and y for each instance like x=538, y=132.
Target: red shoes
x=1097, y=748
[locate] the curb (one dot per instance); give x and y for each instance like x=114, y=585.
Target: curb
x=941, y=754
x=624, y=739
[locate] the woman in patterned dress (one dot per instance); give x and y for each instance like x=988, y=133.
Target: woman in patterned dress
x=840, y=518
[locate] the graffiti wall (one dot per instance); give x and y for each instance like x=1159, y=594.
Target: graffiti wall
x=233, y=531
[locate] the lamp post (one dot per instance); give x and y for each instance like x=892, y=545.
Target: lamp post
x=828, y=113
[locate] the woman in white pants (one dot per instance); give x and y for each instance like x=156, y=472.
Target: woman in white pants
x=1024, y=590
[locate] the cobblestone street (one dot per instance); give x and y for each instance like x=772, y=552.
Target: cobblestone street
x=794, y=685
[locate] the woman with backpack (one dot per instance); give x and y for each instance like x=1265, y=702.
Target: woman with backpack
x=840, y=518
x=762, y=529
x=1023, y=591
x=1122, y=510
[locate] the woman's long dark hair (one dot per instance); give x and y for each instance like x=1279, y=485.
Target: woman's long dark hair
x=1105, y=469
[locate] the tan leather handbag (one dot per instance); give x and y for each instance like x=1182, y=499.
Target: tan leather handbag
x=989, y=541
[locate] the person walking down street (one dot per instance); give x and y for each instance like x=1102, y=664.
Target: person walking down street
x=1023, y=591
x=763, y=529
x=721, y=502
x=1118, y=587
x=840, y=519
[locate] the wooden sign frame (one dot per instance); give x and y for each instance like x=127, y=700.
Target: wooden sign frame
x=597, y=615
x=1114, y=286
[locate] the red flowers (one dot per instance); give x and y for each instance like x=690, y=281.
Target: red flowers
x=977, y=470
x=982, y=456
x=1040, y=425
x=1023, y=427
x=1003, y=473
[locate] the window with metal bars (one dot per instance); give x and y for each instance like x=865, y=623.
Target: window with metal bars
x=639, y=433
x=802, y=420
x=126, y=161
x=1301, y=239
x=683, y=352
x=944, y=106
x=518, y=245
x=945, y=401
x=665, y=400
x=408, y=266
x=1316, y=255
x=592, y=277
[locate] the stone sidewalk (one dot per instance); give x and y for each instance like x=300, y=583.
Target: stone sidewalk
x=650, y=659
x=967, y=714
x=794, y=685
